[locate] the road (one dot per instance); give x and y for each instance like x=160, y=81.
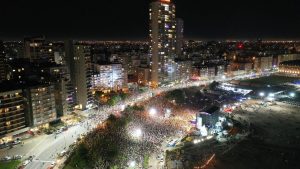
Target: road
x=46, y=147
x=46, y=151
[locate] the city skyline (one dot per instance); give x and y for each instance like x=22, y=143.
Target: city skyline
x=128, y=20
x=152, y=84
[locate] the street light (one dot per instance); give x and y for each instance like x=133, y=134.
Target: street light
x=261, y=94
x=137, y=133
x=122, y=107
x=292, y=94
x=152, y=112
x=132, y=164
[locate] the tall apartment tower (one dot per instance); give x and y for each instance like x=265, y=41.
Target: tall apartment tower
x=179, y=37
x=163, y=40
x=2, y=63
x=36, y=49
x=78, y=60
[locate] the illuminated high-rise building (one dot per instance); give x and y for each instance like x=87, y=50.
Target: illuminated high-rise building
x=179, y=37
x=37, y=49
x=78, y=60
x=2, y=63
x=163, y=41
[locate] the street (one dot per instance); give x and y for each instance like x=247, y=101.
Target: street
x=45, y=148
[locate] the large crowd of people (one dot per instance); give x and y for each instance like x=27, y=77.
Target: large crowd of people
x=154, y=130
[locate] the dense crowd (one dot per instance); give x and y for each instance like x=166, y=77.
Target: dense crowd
x=155, y=130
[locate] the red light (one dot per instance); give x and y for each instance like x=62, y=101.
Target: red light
x=240, y=45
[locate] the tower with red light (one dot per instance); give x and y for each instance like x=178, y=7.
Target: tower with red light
x=240, y=45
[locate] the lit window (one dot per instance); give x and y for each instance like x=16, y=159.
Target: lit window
x=167, y=7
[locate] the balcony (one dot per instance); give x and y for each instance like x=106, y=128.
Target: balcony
x=12, y=100
x=8, y=98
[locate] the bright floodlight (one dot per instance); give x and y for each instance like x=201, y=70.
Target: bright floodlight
x=152, y=112
x=137, y=133
x=223, y=77
x=122, y=107
x=271, y=95
x=225, y=106
x=261, y=94
x=292, y=94
x=132, y=164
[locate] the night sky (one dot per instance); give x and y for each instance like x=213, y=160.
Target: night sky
x=128, y=19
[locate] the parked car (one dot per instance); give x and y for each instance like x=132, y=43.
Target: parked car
x=16, y=142
x=62, y=153
x=17, y=157
x=64, y=128
x=26, y=162
x=7, y=158
x=53, y=164
x=58, y=131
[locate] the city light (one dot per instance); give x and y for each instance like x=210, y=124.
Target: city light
x=123, y=107
x=261, y=94
x=152, y=112
x=137, y=133
x=196, y=141
x=132, y=164
x=209, y=137
x=292, y=94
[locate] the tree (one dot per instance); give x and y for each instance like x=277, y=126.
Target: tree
x=177, y=95
x=98, y=94
x=123, y=95
x=114, y=99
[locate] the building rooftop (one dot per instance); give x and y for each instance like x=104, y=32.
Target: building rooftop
x=11, y=85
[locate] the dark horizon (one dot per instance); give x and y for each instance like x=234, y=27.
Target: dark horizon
x=128, y=20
